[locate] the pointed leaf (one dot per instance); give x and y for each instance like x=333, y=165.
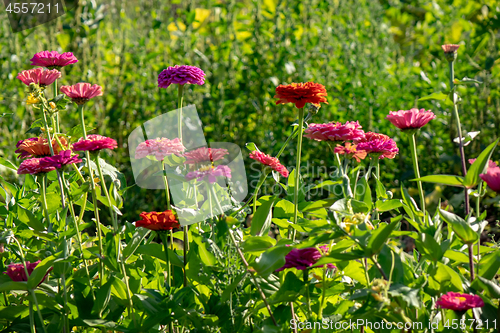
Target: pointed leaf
x=479, y=166
x=442, y=179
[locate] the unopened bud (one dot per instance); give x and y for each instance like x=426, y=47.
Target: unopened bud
x=52, y=105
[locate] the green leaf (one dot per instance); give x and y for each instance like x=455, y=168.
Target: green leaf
x=479, y=166
x=252, y=146
x=384, y=206
x=466, y=80
x=76, y=132
x=261, y=221
x=102, y=297
x=12, y=285
x=364, y=194
x=460, y=226
x=408, y=295
x=135, y=241
x=428, y=246
x=206, y=256
x=438, y=96
x=257, y=243
x=491, y=286
x=40, y=271
x=271, y=260
x=379, y=236
x=380, y=190
x=442, y=179
x=8, y=164
x=489, y=265
x=229, y=289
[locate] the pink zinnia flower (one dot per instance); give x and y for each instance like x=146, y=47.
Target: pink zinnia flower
x=209, y=173
x=351, y=151
x=60, y=160
x=33, y=167
x=273, y=162
x=459, y=302
x=492, y=177
x=204, y=154
x=338, y=132
x=159, y=148
x=410, y=119
x=378, y=144
x=41, y=76
x=94, y=142
x=450, y=48
x=302, y=259
x=181, y=75
x=17, y=273
x=52, y=59
x=81, y=92
x=491, y=164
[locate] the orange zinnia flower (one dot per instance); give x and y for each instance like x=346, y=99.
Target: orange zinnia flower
x=37, y=147
x=301, y=93
x=158, y=221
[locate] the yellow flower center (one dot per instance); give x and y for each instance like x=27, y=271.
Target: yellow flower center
x=205, y=168
x=461, y=299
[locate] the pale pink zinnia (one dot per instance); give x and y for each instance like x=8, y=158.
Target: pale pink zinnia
x=410, y=119
x=209, y=173
x=159, y=148
x=41, y=76
x=52, y=59
x=32, y=166
x=377, y=144
x=273, y=162
x=204, y=154
x=459, y=302
x=81, y=92
x=181, y=75
x=94, y=142
x=450, y=48
x=337, y=132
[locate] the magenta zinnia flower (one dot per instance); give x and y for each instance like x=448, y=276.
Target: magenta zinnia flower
x=80, y=93
x=338, y=132
x=377, y=144
x=33, y=167
x=17, y=273
x=52, y=59
x=492, y=178
x=204, y=154
x=459, y=302
x=273, y=162
x=159, y=148
x=302, y=259
x=181, y=75
x=410, y=119
x=41, y=76
x=209, y=173
x=94, y=142
x=60, y=160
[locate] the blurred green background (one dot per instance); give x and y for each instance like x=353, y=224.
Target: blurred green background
x=372, y=56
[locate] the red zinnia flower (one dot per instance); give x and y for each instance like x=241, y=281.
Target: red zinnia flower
x=33, y=167
x=52, y=59
x=410, y=119
x=80, y=93
x=159, y=148
x=459, y=302
x=41, y=76
x=350, y=151
x=301, y=93
x=158, y=221
x=94, y=142
x=378, y=144
x=204, y=154
x=17, y=273
x=338, y=132
x=273, y=162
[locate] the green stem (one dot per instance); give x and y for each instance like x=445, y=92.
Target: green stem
x=416, y=170
x=106, y=193
x=186, y=249
x=57, y=114
x=291, y=232
x=179, y=110
x=377, y=174
x=305, y=276
x=323, y=295
x=478, y=213
x=165, y=182
x=378, y=267
x=471, y=262
x=44, y=199
x=163, y=236
x=32, y=318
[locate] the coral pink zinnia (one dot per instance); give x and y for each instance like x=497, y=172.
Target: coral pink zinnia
x=41, y=76
x=52, y=59
x=94, y=142
x=209, y=173
x=273, y=162
x=378, y=144
x=38, y=147
x=337, y=132
x=301, y=93
x=60, y=160
x=32, y=166
x=181, y=75
x=159, y=148
x=204, y=154
x=459, y=302
x=351, y=151
x=410, y=119
x=81, y=92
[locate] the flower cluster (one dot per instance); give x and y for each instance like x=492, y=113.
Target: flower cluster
x=181, y=75
x=459, y=302
x=159, y=148
x=272, y=162
x=158, y=221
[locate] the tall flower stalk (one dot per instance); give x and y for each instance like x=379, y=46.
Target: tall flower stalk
x=416, y=170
